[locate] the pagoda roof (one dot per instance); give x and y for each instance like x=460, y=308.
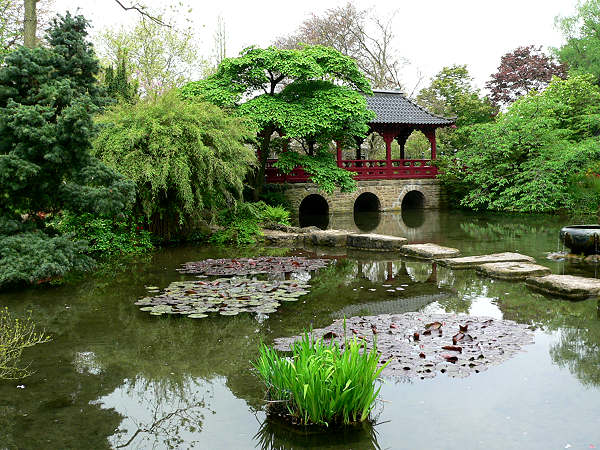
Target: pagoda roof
x=392, y=107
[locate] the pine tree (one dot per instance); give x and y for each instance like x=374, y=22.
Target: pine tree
x=47, y=99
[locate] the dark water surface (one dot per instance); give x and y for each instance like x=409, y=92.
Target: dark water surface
x=116, y=377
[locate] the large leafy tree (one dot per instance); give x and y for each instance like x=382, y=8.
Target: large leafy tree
x=313, y=94
x=520, y=71
x=186, y=158
x=47, y=98
x=581, y=52
x=451, y=93
x=536, y=156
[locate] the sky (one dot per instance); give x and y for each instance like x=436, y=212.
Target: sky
x=430, y=34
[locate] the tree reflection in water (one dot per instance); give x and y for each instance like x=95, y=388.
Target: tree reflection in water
x=164, y=413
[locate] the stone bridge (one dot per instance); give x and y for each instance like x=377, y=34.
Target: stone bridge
x=376, y=195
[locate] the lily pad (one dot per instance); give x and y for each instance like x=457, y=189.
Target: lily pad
x=226, y=296
x=421, y=345
x=253, y=266
x=197, y=316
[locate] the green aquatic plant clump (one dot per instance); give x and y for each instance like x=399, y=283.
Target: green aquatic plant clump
x=15, y=336
x=322, y=383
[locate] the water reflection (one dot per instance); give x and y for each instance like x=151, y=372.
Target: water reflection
x=276, y=435
x=367, y=221
x=413, y=218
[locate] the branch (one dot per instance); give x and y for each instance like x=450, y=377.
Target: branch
x=142, y=10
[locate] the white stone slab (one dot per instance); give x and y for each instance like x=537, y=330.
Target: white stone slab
x=470, y=262
x=379, y=242
x=513, y=270
x=429, y=251
x=576, y=288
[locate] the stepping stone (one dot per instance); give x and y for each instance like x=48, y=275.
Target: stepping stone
x=429, y=251
x=327, y=238
x=569, y=286
x=282, y=238
x=513, y=270
x=469, y=262
x=378, y=242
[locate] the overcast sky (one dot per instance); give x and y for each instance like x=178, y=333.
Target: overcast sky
x=429, y=33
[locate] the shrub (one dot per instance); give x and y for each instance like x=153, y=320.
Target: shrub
x=241, y=225
x=34, y=257
x=15, y=336
x=185, y=157
x=321, y=384
x=107, y=236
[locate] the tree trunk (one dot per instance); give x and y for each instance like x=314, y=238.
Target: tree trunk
x=259, y=182
x=30, y=23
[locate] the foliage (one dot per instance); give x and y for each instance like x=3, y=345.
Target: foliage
x=322, y=384
x=530, y=157
x=47, y=98
x=312, y=94
x=15, y=336
x=241, y=225
x=35, y=257
x=360, y=34
x=581, y=52
x=522, y=70
x=451, y=94
x=184, y=156
x=106, y=235
x=322, y=169
x=160, y=57
x=118, y=84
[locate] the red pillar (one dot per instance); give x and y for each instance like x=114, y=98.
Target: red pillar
x=431, y=136
x=339, y=153
x=388, y=137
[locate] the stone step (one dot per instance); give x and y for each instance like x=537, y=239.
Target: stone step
x=429, y=251
x=470, y=262
x=327, y=238
x=513, y=270
x=569, y=286
x=379, y=242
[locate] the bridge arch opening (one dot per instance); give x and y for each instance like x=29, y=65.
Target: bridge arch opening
x=314, y=211
x=367, y=214
x=412, y=209
x=367, y=202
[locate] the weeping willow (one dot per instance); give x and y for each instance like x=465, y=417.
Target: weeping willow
x=186, y=158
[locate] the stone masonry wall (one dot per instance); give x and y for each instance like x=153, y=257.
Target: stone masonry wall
x=389, y=192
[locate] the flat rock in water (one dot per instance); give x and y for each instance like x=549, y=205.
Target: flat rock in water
x=469, y=262
x=422, y=346
x=429, y=251
x=282, y=238
x=327, y=238
x=513, y=270
x=380, y=242
x=569, y=286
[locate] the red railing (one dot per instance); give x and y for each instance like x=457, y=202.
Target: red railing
x=366, y=169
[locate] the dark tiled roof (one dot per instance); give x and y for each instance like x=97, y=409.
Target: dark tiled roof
x=392, y=107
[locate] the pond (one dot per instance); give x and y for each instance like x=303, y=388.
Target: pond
x=114, y=376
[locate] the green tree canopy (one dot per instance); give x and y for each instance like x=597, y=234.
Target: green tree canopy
x=185, y=157
x=47, y=98
x=314, y=93
x=530, y=158
x=451, y=94
x=581, y=52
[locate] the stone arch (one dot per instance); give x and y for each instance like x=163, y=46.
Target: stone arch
x=314, y=210
x=367, y=201
x=411, y=193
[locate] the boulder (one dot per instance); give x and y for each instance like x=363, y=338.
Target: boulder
x=326, y=238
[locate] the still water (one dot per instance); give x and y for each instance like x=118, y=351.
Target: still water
x=114, y=377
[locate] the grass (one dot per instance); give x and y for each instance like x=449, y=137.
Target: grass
x=322, y=383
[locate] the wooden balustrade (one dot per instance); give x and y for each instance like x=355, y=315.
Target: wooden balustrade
x=366, y=169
